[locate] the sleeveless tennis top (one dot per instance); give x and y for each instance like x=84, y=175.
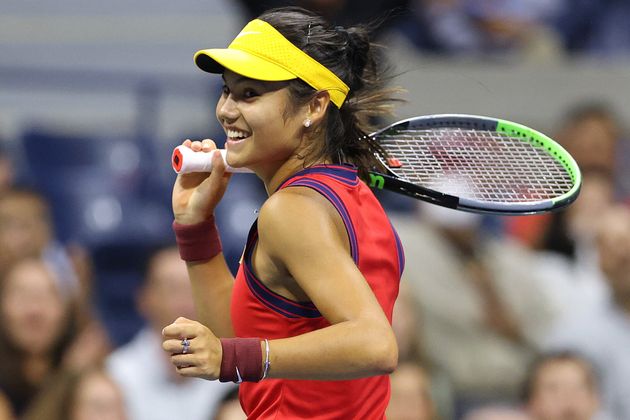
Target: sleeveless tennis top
x=259, y=312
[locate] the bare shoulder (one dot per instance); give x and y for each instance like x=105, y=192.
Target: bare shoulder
x=295, y=213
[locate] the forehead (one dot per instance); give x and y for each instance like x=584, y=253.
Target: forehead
x=30, y=274
x=563, y=368
x=235, y=79
x=615, y=223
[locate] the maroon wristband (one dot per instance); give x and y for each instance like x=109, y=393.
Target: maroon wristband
x=242, y=360
x=197, y=242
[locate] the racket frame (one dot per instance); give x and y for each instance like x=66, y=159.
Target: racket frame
x=392, y=182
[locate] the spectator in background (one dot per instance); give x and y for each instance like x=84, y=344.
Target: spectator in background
x=595, y=27
x=406, y=324
x=26, y=230
x=230, y=407
x=591, y=133
x=567, y=257
x=6, y=411
x=38, y=332
x=497, y=413
x=482, y=27
x=410, y=394
x=340, y=12
x=561, y=385
x=565, y=239
x=86, y=394
x=151, y=386
x=602, y=332
x=483, y=310
x=436, y=399
x=7, y=174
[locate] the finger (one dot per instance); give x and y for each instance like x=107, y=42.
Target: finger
x=218, y=164
x=196, y=146
x=207, y=145
x=190, y=371
x=215, y=184
x=179, y=331
x=175, y=346
x=183, y=360
x=187, y=142
x=183, y=320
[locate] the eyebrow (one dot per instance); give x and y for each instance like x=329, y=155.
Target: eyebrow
x=239, y=78
x=263, y=85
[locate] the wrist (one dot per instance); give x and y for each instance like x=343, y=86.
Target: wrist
x=241, y=360
x=187, y=219
x=199, y=241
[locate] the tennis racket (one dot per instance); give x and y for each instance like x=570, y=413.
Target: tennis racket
x=464, y=162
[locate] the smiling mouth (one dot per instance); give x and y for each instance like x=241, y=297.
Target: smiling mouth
x=236, y=135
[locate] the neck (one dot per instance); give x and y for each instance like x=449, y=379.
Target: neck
x=273, y=177
x=36, y=368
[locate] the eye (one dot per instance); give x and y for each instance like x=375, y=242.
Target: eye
x=249, y=93
x=225, y=91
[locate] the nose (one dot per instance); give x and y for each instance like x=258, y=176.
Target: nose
x=227, y=109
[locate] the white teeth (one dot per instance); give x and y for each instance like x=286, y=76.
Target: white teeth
x=233, y=134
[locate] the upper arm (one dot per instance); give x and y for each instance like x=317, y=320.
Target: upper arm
x=300, y=230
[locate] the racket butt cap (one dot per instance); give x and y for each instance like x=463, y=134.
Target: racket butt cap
x=177, y=160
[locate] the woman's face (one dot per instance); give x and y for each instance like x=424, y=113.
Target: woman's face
x=562, y=390
x=261, y=134
x=32, y=308
x=98, y=398
x=24, y=226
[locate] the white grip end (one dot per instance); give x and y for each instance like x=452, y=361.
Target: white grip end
x=184, y=160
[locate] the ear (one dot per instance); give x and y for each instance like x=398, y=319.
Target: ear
x=317, y=106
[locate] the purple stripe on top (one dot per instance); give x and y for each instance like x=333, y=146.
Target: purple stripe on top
x=272, y=300
x=278, y=303
x=346, y=174
x=400, y=251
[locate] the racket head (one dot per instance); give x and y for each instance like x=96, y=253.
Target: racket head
x=475, y=163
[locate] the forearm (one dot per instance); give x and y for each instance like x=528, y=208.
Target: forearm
x=212, y=283
x=347, y=350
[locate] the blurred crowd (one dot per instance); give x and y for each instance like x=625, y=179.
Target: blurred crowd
x=498, y=318
x=531, y=28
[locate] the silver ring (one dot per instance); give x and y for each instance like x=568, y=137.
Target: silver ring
x=185, y=345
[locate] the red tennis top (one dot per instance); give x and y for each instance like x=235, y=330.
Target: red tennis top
x=259, y=312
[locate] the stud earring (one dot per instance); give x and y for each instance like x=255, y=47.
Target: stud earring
x=307, y=122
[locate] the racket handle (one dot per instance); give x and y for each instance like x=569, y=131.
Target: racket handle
x=184, y=160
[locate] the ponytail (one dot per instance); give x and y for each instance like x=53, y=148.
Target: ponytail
x=354, y=59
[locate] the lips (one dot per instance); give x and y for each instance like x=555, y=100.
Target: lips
x=235, y=135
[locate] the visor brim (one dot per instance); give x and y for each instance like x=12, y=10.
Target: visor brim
x=216, y=60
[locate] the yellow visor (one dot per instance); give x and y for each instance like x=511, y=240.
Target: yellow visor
x=260, y=52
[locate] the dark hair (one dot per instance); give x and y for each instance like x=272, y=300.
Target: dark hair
x=58, y=398
x=594, y=111
x=354, y=59
x=13, y=381
x=586, y=110
x=558, y=356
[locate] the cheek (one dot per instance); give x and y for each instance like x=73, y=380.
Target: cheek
x=103, y=403
x=177, y=303
x=35, y=328
x=218, y=107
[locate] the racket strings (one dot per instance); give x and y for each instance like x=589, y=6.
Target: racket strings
x=480, y=165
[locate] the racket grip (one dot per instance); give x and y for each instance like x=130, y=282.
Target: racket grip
x=184, y=160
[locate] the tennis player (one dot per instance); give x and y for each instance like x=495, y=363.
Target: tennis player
x=306, y=323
